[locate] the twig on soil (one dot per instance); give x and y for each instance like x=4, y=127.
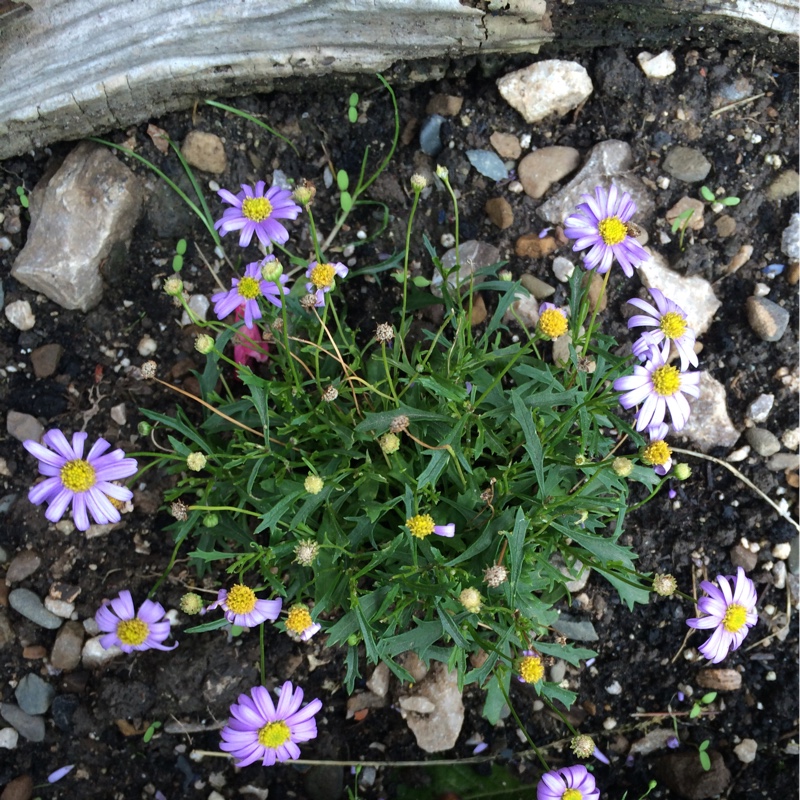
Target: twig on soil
x=723, y=109
x=781, y=512
x=199, y=755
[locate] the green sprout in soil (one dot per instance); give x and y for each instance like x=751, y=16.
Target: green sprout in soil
x=682, y=220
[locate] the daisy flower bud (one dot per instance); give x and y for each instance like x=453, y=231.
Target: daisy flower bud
x=442, y=172
x=191, y=603
x=210, y=520
x=313, y=484
x=682, y=471
x=303, y=195
x=471, y=600
x=505, y=275
x=622, y=466
x=173, y=286
x=390, y=443
x=204, y=344
x=271, y=269
x=144, y=428
x=195, y=461
x=418, y=182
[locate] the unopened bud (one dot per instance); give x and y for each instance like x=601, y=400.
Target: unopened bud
x=195, y=461
x=144, y=428
x=313, y=484
x=505, y=275
x=204, y=344
x=682, y=471
x=390, y=443
x=191, y=603
x=210, y=520
x=442, y=172
x=418, y=182
x=173, y=286
x=271, y=270
x=622, y=466
x=471, y=600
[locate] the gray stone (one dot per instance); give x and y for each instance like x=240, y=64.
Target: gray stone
x=545, y=88
x=743, y=557
x=378, y=682
x=66, y=653
x=30, y=727
x=686, y=164
x=654, y=740
x=759, y=409
x=764, y=442
x=27, y=603
x=709, y=425
x=33, y=694
x=45, y=359
x=88, y=206
x=694, y=294
x=430, y=141
x=558, y=671
x=473, y=255
x=579, y=630
x=539, y=170
x=608, y=161
x=539, y=289
x=8, y=738
x=793, y=562
x=768, y=320
x=783, y=461
x=23, y=565
x=20, y=315
x=61, y=608
x=488, y=164
x=439, y=729
x=790, y=239
x=23, y=426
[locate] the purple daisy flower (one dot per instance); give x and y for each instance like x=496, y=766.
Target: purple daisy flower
x=246, y=292
x=422, y=525
x=669, y=320
x=84, y=482
x=731, y=612
x=552, y=321
x=569, y=783
x=658, y=454
x=300, y=624
x=129, y=630
x=658, y=387
x=601, y=223
x=243, y=608
x=260, y=731
x=254, y=211
x=322, y=278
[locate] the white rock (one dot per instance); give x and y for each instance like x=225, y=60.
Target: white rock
x=746, y=751
x=119, y=414
x=790, y=240
x=563, y=268
x=694, y=294
x=546, y=87
x=791, y=439
x=8, y=738
x=23, y=426
x=378, y=682
x=199, y=304
x=439, y=729
x=614, y=688
x=61, y=608
x=759, y=409
x=19, y=314
x=94, y=655
x=147, y=346
x=709, y=424
x=524, y=309
x=779, y=574
x=782, y=551
x=656, y=67
x=740, y=454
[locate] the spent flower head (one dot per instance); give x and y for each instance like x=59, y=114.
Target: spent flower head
x=495, y=575
x=582, y=745
x=243, y=608
x=173, y=286
x=664, y=585
x=384, y=332
x=729, y=610
x=256, y=211
x=196, y=461
x=88, y=483
x=622, y=466
x=600, y=223
x=191, y=603
x=668, y=321
x=418, y=182
x=179, y=511
x=258, y=730
x=306, y=552
x=131, y=630
x=658, y=387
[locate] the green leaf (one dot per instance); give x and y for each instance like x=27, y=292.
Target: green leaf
x=730, y=201
x=707, y=194
x=533, y=445
x=705, y=760
x=272, y=517
x=695, y=712
x=342, y=180
x=516, y=550
x=419, y=281
x=177, y=263
x=352, y=114
x=180, y=248
x=353, y=99
x=346, y=201
x=495, y=699
x=710, y=697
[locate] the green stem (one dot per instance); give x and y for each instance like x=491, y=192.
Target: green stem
x=520, y=724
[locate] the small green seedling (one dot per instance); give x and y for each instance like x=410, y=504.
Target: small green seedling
x=23, y=197
x=705, y=759
x=705, y=700
x=352, y=110
x=345, y=198
x=710, y=197
x=682, y=220
x=180, y=251
x=151, y=730
x=650, y=786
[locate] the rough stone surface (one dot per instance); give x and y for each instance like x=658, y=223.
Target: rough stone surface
x=546, y=87
x=7, y=635
x=653, y=741
x=524, y=309
x=657, y=67
x=45, y=359
x=686, y=164
x=790, y=238
x=743, y=557
x=746, y=751
x=66, y=653
x=721, y=680
x=499, y=211
x=767, y=319
x=205, y=151
x=8, y=739
x=94, y=655
x=89, y=205
x=764, y=442
x=33, y=694
x=696, y=220
x=539, y=170
x=531, y=246
x=439, y=729
x=27, y=603
x=785, y=185
x=20, y=315
x=378, y=682
x=759, y=409
x=23, y=426
x=506, y=144
x=23, y=565
x=29, y=727
x=709, y=424
x=683, y=773
x=447, y=105
x=608, y=161
x=538, y=288
x=473, y=256
x=694, y=294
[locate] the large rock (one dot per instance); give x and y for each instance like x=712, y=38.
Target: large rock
x=87, y=207
x=709, y=424
x=438, y=722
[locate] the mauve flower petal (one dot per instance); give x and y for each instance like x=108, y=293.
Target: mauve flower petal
x=78, y=442
x=59, y=504
x=46, y=491
x=123, y=605
x=105, y=620
x=98, y=448
x=56, y=440
x=44, y=454
x=98, y=505
x=110, y=640
x=307, y=712
x=151, y=612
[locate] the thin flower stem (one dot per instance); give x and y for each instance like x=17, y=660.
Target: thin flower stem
x=313, y=232
x=446, y=181
x=389, y=378
x=742, y=478
x=287, y=348
x=199, y=755
x=167, y=570
x=263, y=655
x=520, y=724
x=405, y=264
x=232, y=509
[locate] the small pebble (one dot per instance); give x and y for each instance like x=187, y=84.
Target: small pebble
x=782, y=551
x=746, y=751
x=614, y=688
x=761, y=290
x=768, y=320
x=8, y=738
x=20, y=315
x=563, y=268
x=147, y=346
x=609, y=724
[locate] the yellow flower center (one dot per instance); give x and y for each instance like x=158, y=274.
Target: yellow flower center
x=734, y=618
x=421, y=525
x=256, y=209
x=322, y=276
x=249, y=288
x=299, y=619
x=571, y=794
x=78, y=475
x=553, y=323
x=666, y=380
x=132, y=631
x=274, y=734
x=240, y=599
x=657, y=453
x=531, y=669
x=612, y=230
x=672, y=325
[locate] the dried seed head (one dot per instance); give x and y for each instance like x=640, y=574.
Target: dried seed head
x=313, y=484
x=305, y=552
x=399, y=424
x=173, y=286
x=179, y=510
x=384, y=332
x=495, y=575
x=304, y=194
x=665, y=585
x=418, y=182
x=191, y=603
x=330, y=394
x=582, y=745
x=148, y=370
x=308, y=301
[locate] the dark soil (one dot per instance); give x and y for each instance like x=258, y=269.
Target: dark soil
x=98, y=720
